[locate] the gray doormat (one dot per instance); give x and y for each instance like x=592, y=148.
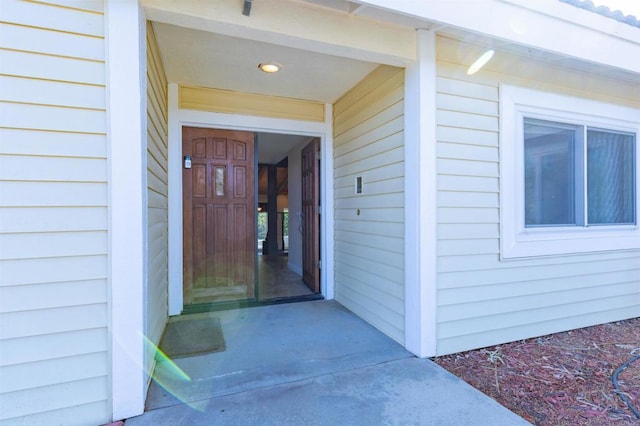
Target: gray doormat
x=190, y=337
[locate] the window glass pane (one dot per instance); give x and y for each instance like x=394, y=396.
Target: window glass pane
x=549, y=168
x=610, y=177
x=220, y=181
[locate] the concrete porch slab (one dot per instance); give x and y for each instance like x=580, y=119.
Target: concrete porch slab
x=311, y=363
x=270, y=345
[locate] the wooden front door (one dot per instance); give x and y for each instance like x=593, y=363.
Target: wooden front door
x=311, y=215
x=219, y=215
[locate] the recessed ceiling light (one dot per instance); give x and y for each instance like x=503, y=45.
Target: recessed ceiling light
x=270, y=67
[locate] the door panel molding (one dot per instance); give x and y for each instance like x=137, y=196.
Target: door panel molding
x=311, y=215
x=218, y=216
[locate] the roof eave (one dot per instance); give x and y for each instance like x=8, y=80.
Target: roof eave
x=555, y=27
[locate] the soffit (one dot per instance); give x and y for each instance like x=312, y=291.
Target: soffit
x=397, y=18
x=207, y=59
x=200, y=51
x=543, y=56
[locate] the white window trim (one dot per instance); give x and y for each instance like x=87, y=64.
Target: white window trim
x=516, y=241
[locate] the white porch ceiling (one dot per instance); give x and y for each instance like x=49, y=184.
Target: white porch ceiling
x=207, y=59
x=211, y=59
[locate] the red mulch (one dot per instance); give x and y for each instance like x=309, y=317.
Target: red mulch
x=560, y=379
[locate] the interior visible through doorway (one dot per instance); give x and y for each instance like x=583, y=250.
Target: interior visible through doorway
x=277, y=281
x=280, y=224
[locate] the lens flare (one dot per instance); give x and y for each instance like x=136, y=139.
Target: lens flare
x=481, y=62
x=170, y=376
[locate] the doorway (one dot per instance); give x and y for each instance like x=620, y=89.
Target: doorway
x=218, y=215
x=273, y=249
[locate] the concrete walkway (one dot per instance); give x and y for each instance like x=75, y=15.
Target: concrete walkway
x=311, y=363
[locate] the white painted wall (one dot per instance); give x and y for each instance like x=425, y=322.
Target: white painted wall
x=481, y=300
x=54, y=296
x=369, y=227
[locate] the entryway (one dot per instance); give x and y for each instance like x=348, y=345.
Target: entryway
x=310, y=363
x=268, y=344
x=251, y=214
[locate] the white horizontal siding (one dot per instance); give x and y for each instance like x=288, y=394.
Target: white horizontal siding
x=53, y=244
x=618, y=284
x=481, y=300
x=30, y=349
x=52, y=194
x=484, y=261
x=362, y=301
x=391, y=259
x=522, y=315
x=51, y=372
x=62, y=19
x=51, y=42
x=54, y=68
x=75, y=293
x=53, y=269
x=467, y=199
x=378, y=174
x=372, y=240
x=47, y=92
x=157, y=199
x=384, y=123
x=52, y=219
x=95, y=6
x=51, y=118
x=54, y=359
x=64, y=169
x=85, y=414
x=369, y=227
x=49, y=398
x=55, y=320
x=50, y=144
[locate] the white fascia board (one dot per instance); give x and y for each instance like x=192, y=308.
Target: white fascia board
x=293, y=24
x=551, y=26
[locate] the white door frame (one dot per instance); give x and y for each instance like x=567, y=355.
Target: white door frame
x=182, y=117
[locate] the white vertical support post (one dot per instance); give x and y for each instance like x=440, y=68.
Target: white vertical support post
x=175, y=204
x=420, y=198
x=126, y=112
x=327, y=235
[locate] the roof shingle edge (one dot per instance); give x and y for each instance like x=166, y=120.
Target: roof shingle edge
x=605, y=11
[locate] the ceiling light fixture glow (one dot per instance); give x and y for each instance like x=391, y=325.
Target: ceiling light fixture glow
x=270, y=67
x=481, y=62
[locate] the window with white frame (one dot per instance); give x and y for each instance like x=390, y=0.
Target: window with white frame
x=569, y=175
